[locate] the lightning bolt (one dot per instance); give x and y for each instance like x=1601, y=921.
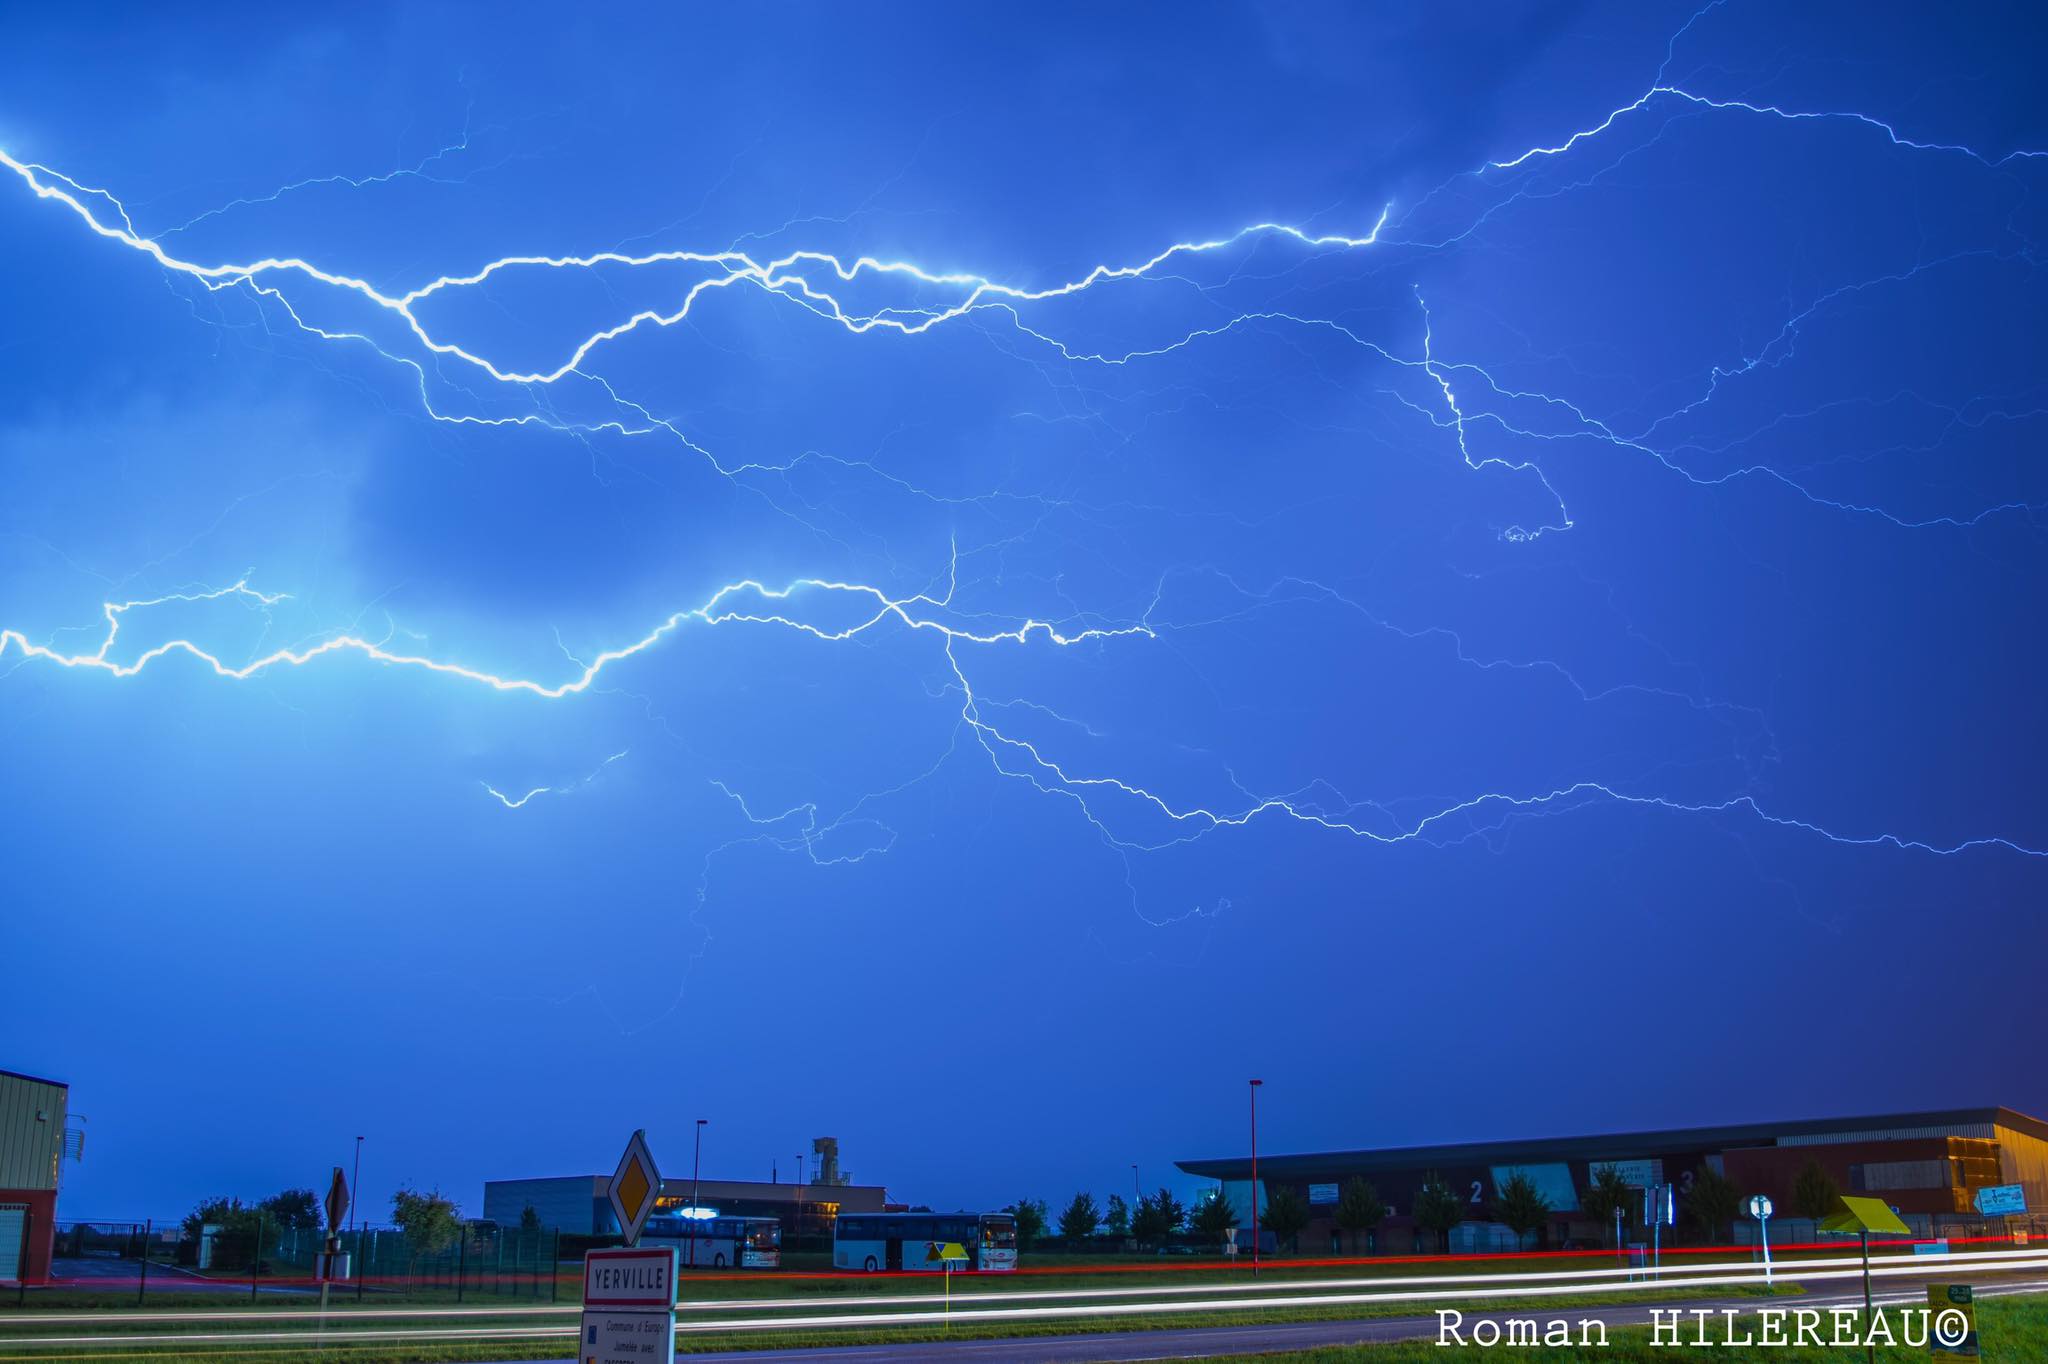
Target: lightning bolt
x=1460, y=398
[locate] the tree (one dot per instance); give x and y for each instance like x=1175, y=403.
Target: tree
x=430, y=1222
x=1521, y=1205
x=1030, y=1215
x=210, y=1212
x=295, y=1209
x=1158, y=1217
x=1437, y=1208
x=1116, y=1219
x=1713, y=1202
x=529, y=1218
x=1605, y=1195
x=1286, y=1215
x=1213, y=1218
x=1078, y=1222
x=243, y=1233
x=1813, y=1193
x=1359, y=1207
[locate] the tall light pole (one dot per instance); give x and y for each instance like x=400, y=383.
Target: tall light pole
x=1255, y=1176
x=355, y=1188
x=696, y=1208
x=356, y=1197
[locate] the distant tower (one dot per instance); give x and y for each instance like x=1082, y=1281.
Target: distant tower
x=827, y=1151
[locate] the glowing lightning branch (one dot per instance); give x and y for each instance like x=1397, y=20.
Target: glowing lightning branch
x=1464, y=399
x=519, y=802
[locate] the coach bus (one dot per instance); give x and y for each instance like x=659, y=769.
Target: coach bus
x=740, y=1242
x=874, y=1241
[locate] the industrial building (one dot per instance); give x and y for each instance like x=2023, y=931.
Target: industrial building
x=1928, y=1166
x=32, y=1148
x=577, y=1204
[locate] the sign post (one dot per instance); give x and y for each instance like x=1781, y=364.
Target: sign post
x=945, y=1253
x=337, y=1208
x=1952, y=1320
x=634, y=1187
x=1760, y=1209
x=2001, y=1200
x=629, y=1306
x=1660, y=1208
x=629, y=1292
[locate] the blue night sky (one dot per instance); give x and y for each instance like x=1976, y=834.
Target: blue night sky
x=968, y=578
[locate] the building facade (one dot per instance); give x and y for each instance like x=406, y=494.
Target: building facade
x=1928, y=1166
x=577, y=1203
x=32, y=1123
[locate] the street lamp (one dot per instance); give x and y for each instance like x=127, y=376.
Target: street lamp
x=696, y=1208
x=1255, y=1176
x=355, y=1197
x=355, y=1186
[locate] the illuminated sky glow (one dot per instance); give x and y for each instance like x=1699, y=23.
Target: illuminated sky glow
x=1038, y=570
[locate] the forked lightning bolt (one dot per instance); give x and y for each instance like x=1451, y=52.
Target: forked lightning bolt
x=1460, y=398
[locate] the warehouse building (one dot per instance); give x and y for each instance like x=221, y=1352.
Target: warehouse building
x=577, y=1204
x=32, y=1125
x=1928, y=1166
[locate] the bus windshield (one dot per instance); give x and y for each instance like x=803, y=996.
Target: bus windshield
x=1000, y=1232
x=764, y=1235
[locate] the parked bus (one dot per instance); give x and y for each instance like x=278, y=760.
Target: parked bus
x=875, y=1241
x=744, y=1242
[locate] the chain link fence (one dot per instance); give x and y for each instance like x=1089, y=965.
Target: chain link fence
x=475, y=1259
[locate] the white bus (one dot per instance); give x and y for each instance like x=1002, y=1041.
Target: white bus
x=873, y=1241
x=740, y=1242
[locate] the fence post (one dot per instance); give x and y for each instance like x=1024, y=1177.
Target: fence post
x=28, y=1225
x=554, y=1268
x=461, y=1259
x=362, y=1265
x=256, y=1262
x=142, y=1285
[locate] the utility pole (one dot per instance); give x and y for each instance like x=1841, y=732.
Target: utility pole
x=1255, y=1177
x=696, y=1208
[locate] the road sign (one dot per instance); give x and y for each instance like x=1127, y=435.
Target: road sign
x=1997, y=1200
x=644, y=1277
x=628, y=1338
x=1952, y=1320
x=634, y=1187
x=1760, y=1209
x=337, y=1200
x=944, y=1252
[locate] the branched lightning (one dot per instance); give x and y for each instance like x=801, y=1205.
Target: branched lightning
x=1490, y=424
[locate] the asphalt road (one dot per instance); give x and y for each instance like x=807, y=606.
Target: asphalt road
x=90, y=1271
x=1203, y=1342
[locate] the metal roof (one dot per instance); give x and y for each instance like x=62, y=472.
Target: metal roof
x=33, y=1079
x=1611, y=1146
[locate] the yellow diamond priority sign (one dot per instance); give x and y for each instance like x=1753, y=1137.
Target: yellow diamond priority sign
x=634, y=1187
